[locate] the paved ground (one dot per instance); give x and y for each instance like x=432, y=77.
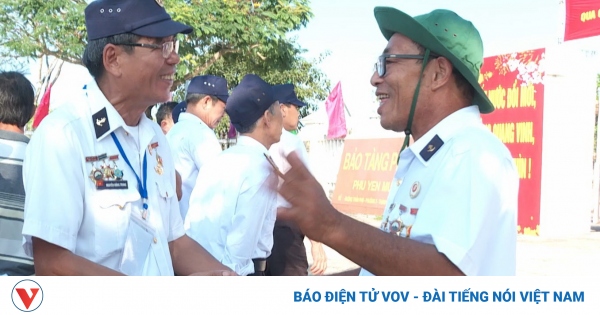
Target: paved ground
x=536, y=256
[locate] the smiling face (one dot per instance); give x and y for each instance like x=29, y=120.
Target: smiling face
x=148, y=73
x=396, y=88
x=215, y=112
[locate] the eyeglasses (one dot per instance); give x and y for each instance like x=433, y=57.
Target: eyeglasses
x=167, y=47
x=380, y=65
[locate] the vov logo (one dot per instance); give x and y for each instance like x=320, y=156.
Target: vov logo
x=27, y=295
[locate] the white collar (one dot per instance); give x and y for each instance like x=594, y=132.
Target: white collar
x=251, y=142
x=445, y=130
x=191, y=118
x=98, y=103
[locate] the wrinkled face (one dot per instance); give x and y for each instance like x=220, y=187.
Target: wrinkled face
x=291, y=116
x=216, y=111
x=396, y=87
x=148, y=73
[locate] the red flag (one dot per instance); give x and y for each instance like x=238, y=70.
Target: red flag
x=335, y=111
x=43, y=108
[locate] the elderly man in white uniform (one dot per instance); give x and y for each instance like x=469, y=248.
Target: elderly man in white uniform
x=192, y=138
x=288, y=257
x=233, y=206
x=98, y=174
x=452, y=207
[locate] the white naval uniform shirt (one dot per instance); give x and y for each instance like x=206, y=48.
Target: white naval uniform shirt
x=63, y=205
x=457, y=188
x=193, y=143
x=233, y=206
x=280, y=150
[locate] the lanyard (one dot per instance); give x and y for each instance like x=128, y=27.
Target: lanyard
x=141, y=186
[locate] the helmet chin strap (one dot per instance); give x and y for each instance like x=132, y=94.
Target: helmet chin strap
x=408, y=131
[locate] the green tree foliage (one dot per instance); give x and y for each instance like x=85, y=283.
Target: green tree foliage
x=231, y=38
x=38, y=28
x=235, y=37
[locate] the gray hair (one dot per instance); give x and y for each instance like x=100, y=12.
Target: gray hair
x=194, y=98
x=92, y=55
x=251, y=128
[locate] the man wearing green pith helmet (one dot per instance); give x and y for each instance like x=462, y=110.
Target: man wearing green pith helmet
x=452, y=206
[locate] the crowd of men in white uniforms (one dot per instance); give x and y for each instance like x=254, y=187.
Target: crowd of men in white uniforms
x=108, y=193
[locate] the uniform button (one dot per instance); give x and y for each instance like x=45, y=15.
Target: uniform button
x=399, y=182
x=155, y=240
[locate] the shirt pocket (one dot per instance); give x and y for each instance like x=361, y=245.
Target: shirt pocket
x=111, y=219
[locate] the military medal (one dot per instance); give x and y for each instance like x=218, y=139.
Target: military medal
x=159, y=165
x=402, y=209
x=415, y=189
x=108, y=171
x=95, y=174
x=152, y=147
x=117, y=173
x=107, y=176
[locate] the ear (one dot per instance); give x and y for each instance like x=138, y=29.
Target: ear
x=267, y=118
x=441, y=72
x=284, y=110
x=111, y=58
x=205, y=101
x=163, y=123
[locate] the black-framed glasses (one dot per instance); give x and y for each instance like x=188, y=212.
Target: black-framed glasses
x=167, y=47
x=380, y=65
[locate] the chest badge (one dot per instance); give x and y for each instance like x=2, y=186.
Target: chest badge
x=415, y=189
x=159, y=165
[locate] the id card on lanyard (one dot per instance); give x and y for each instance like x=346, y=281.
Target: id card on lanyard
x=137, y=247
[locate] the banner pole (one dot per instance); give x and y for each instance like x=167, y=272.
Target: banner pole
x=596, y=181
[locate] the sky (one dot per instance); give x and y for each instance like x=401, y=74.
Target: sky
x=348, y=31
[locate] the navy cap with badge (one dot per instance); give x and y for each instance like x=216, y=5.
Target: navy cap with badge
x=209, y=85
x=148, y=18
x=177, y=110
x=249, y=100
x=285, y=94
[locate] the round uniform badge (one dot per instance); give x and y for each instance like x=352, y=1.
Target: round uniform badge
x=415, y=189
x=98, y=175
x=160, y=3
x=118, y=174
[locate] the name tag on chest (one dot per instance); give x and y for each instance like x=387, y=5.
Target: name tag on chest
x=113, y=184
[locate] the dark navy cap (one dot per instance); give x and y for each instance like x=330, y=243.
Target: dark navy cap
x=148, y=18
x=209, y=85
x=249, y=101
x=285, y=94
x=178, y=109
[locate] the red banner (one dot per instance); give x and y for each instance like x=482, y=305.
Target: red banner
x=582, y=19
x=514, y=83
x=365, y=174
